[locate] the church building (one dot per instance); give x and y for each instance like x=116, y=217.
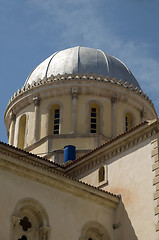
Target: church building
x=81, y=161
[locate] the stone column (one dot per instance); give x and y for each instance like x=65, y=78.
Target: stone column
x=114, y=105
x=12, y=128
x=74, y=109
x=44, y=232
x=36, y=101
x=143, y=115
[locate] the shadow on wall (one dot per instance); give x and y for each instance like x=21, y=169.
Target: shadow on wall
x=122, y=227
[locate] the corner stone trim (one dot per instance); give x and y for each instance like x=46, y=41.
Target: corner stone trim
x=155, y=169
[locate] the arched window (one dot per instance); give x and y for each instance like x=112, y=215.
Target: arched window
x=54, y=119
x=22, y=132
x=128, y=121
x=94, y=231
x=29, y=221
x=94, y=118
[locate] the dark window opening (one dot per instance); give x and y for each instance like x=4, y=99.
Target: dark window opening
x=25, y=223
x=23, y=238
x=56, y=121
x=101, y=174
x=126, y=123
x=93, y=120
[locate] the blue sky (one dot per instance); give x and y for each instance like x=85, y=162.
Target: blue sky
x=31, y=30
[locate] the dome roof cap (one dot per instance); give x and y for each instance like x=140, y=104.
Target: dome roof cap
x=82, y=60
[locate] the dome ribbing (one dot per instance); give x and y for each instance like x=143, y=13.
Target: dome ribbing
x=82, y=60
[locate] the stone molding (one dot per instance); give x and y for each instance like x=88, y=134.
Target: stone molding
x=84, y=77
x=155, y=169
x=98, y=158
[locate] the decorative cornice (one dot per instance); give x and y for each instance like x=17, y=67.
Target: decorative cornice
x=83, y=77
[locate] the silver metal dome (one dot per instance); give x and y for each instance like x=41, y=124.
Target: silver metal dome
x=85, y=61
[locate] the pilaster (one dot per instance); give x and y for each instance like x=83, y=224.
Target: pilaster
x=36, y=101
x=74, y=109
x=12, y=128
x=114, y=106
x=44, y=232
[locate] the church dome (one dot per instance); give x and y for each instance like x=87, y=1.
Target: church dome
x=82, y=60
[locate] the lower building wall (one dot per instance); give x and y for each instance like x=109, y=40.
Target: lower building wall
x=67, y=214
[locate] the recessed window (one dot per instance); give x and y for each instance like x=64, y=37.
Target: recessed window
x=54, y=119
x=94, y=118
x=101, y=174
x=128, y=121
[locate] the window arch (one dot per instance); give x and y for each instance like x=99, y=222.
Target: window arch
x=22, y=131
x=94, y=231
x=54, y=119
x=94, y=118
x=129, y=122
x=29, y=221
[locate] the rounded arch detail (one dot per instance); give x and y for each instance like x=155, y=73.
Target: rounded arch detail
x=129, y=120
x=29, y=219
x=95, y=231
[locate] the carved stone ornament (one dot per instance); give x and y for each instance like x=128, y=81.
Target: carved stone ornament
x=15, y=220
x=74, y=93
x=36, y=101
x=114, y=100
x=12, y=115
